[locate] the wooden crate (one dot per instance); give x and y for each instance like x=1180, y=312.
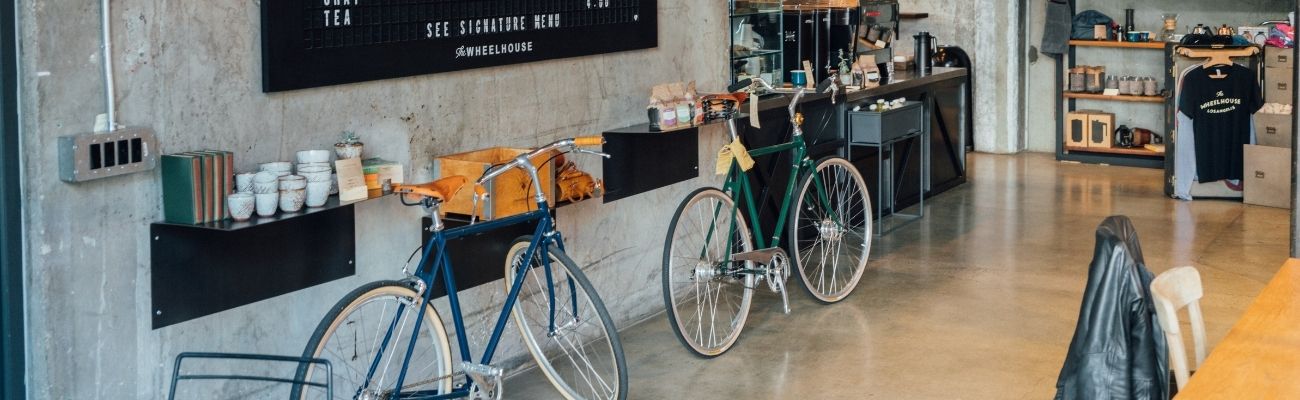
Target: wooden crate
x=509, y=194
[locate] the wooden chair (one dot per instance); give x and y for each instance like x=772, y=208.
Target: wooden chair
x=1172, y=290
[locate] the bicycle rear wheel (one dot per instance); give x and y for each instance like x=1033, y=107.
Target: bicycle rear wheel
x=831, y=231
x=707, y=299
x=582, y=356
x=351, y=334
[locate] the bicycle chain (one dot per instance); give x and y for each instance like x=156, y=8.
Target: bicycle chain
x=422, y=383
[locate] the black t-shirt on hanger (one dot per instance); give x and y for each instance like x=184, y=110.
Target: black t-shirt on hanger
x=1221, y=111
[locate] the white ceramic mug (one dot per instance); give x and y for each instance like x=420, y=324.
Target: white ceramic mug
x=304, y=170
x=317, y=193
x=267, y=203
x=241, y=206
x=313, y=156
x=266, y=182
x=293, y=182
x=244, y=182
x=318, y=177
x=276, y=167
x=291, y=199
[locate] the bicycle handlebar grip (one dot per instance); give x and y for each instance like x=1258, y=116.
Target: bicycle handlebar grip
x=589, y=141
x=825, y=84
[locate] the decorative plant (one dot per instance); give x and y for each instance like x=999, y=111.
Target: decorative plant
x=844, y=62
x=350, y=137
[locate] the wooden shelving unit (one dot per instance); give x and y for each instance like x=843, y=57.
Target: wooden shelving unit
x=1139, y=157
x=1115, y=150
x=1102, y=97
x=1120, y=45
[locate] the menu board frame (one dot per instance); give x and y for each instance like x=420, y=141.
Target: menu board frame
x=316, y=43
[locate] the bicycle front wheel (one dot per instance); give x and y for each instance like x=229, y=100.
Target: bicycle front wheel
x=707, y=294
x=352, y=336
x=831, y=231
x=578, y=350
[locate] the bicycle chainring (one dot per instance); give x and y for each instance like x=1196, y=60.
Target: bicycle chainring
x=777, y=271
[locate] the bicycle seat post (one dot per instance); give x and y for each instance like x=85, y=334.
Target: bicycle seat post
x=731, y=129
x=435, y=215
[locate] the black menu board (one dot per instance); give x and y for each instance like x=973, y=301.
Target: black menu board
x=312, y=43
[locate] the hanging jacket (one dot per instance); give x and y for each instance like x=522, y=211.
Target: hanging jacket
x=1118, y=350
x=1057, y=27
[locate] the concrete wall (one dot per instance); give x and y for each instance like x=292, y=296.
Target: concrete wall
x=985, y=29
x=191, y=72
x=1042, y=107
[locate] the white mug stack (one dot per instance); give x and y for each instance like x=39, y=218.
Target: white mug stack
x=266, y=189
x=314, y=165
x=275, y=188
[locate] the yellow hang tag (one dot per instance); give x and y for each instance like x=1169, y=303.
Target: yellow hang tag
x=753, y=113
x=724, y=160
x=734, y=151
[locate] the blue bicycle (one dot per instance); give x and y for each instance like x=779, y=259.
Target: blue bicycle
x=386, y=341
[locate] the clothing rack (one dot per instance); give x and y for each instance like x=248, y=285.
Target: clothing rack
x=1217, y=55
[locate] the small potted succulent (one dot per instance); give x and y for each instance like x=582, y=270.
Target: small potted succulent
x=350, y=147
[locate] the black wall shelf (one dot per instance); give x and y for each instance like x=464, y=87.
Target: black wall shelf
x=643, y=160
x=203, y=269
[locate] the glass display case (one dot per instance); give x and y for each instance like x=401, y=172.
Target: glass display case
x=878, y=29
x=757, y=41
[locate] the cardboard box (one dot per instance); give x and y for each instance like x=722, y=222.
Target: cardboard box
x=1273, y=130
x=1101, y=127
x=1076, y=128
x=1275, y=57
x=509, y=194
x=1279, y=85
x=1267, y=176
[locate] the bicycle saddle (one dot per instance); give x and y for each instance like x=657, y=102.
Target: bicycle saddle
x=440, y=190
x=722, y=106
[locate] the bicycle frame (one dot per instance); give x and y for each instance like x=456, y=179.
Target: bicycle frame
x=737, y=186
x=543, y=236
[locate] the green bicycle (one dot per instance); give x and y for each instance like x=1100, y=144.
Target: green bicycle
x=711, y=265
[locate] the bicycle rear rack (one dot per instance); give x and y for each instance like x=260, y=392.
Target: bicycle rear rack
x=328, y=385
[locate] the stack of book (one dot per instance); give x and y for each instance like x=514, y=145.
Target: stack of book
x=195, y=185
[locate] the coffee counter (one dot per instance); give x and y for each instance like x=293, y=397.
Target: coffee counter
x=942, y=150
x=943, y=94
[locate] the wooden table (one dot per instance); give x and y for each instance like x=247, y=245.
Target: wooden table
x=1260, y=357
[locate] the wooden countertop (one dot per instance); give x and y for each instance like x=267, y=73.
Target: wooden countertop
x=1260, y=357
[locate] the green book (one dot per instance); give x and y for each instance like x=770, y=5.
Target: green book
x=182, y=194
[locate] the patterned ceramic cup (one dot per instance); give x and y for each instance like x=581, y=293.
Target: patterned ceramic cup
x=244, y=182
x=291, y=200
x=267, y=203
x=317, y=193
x=241, y=205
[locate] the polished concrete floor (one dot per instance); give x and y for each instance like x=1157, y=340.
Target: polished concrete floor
x=977, y=301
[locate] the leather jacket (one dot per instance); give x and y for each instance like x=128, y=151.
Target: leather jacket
x=1118, y=350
